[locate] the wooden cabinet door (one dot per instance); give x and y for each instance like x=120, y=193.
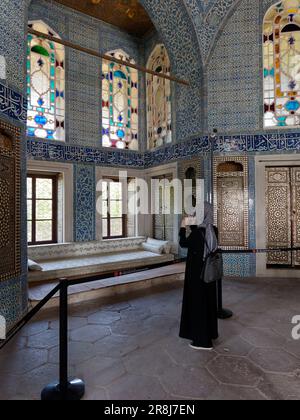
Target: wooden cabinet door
x=278, y=214
x=296, y=213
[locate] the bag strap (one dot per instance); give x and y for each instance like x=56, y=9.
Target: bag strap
x=204, y=237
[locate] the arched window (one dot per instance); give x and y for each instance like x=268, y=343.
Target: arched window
x=120, y=103
x=159, y=118
x=281, y=43
x=45, y=86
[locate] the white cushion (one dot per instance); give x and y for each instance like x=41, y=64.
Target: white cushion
x=166, y=244
x=33, y=266
x=156, y=249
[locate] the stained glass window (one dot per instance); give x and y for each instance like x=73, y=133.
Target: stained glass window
x=281, y=43
x=45, y=86
x=119, y=103
x=159, y=117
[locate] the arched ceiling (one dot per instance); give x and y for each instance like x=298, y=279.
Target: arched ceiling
x=207, y=17
x=128, y=15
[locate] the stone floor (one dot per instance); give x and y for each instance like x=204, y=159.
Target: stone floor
x=130, y=349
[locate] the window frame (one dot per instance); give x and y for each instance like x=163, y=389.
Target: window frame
x=109, y=218
x=54, y=220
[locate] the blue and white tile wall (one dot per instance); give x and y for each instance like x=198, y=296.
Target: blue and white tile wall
x=233, y=73
x=84, y=203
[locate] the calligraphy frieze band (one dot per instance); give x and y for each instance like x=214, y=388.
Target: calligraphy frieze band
x=13, y=104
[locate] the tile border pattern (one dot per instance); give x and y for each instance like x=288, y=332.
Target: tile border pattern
x=245, y=144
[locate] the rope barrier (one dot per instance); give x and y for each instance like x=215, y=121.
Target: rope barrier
x=258, y=250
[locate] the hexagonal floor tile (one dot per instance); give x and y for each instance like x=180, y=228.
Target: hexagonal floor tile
x=22, y=361
x=32, y=383
x=104, y=317
x=134, y=387
x=35, y=328
x=236, y=346
x=45, y=340
x=95, y=394
x=78, y=353
x=133, y=314
x=115, y=346
x=128, y=327
x=183, y=355
x=236, y=393
x=74, y=322
x=280, y=387
x=160, y=322
x=188, y=382
x=275, y=360
x=100, y=371
x=235, y=371
x=261, y=337
x=149, y=361
x=89, y=333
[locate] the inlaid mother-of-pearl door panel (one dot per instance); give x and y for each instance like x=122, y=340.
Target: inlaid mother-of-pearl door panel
x=296, y=213
x=231, y=199
x=283, y=214
x=10, y=258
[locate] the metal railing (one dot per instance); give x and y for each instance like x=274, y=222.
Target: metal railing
x=65, y=389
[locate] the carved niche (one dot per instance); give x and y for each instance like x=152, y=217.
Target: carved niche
x=191, y=169
x=9, y=201
x=231, y=209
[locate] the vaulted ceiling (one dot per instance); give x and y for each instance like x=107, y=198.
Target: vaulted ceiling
x=128, y=15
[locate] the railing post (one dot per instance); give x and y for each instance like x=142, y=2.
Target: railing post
x=64, y=390
x=63, y=339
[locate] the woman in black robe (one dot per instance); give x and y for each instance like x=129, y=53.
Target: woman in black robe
x=199, y=320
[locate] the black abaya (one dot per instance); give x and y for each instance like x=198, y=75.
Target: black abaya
x=199, y=320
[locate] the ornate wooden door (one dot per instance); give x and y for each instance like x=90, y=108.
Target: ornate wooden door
x=232, y=201
x=296, y=213
x=231, y=210
x=10, y=244
x=278, y=214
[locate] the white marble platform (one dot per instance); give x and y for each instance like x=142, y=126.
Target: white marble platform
x=96, y=264
x=113, y=286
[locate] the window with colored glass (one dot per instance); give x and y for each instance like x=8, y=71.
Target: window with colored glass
x=45, y=86
x=159, y=114
x=119, y=103
x=281, y=54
